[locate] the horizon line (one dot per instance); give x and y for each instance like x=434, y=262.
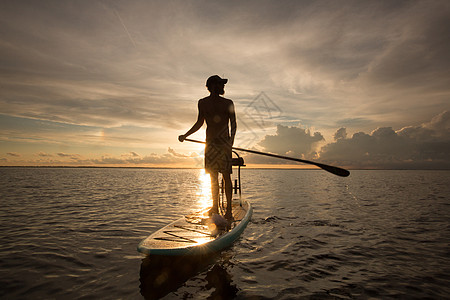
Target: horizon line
x=193, y=168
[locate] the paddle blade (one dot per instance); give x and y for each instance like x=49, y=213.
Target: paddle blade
x=335, y=170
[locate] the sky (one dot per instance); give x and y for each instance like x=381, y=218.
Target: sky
x=357, y=84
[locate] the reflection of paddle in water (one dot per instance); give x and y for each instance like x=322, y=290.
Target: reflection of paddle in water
x=161, y=275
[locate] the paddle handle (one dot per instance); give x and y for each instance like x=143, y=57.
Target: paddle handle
x=335, y=170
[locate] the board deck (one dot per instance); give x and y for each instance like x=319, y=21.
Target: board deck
x=197, y=233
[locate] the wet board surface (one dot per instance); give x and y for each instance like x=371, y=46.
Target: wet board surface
x=197, y=233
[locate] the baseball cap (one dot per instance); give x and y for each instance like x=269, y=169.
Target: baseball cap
x=215, y=79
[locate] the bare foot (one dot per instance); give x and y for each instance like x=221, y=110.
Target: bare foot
x=213, y=210
x=228, y=215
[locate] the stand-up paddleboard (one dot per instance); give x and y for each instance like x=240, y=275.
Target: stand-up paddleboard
x=198, y=233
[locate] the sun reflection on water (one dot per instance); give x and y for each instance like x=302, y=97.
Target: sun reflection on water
x=204, y=191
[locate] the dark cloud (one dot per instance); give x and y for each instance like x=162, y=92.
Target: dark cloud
x=340, y=134
x=293, y=140
x=13, y=154
x=134, y=154
x=420, y=52
x=424, y=146
x=440, y=124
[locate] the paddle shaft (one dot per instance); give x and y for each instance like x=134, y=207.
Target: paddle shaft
x=335, y=170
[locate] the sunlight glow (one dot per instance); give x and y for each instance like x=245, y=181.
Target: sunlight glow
x=204, y=191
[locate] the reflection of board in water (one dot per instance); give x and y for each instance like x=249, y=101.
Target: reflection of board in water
x=161, y=275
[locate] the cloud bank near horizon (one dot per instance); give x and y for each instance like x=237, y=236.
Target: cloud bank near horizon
x=413, y=147
x=424, y=146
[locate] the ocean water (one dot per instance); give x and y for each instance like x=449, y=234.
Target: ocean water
x=71, y=233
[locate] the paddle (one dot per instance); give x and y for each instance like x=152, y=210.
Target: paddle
x=335, y=170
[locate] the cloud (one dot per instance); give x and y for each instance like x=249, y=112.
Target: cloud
x=63, y=154
x=169, y=159
x=440, y=124
x=131, y=154
x=65, y=63
x=176, y=154
x=134, y=154
x=114, y=64
x=43, y=154
x=413, y=59
x=13, y=154
x=424, y=146
x=74, y=157
x=340, y=134
x=293, y=140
